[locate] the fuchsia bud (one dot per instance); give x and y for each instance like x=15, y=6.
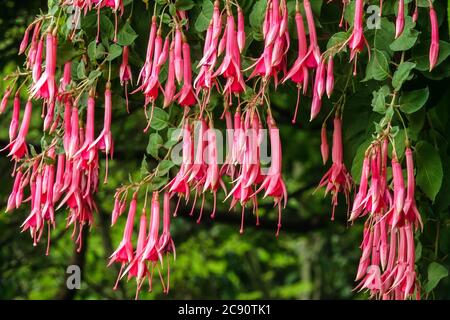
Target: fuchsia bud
x=324, y=148
x=24, y=43
x=14, y=125
x=178, y=58
x=5, y=98
x=400, y=21
x=434, y=47
x=330, y=77
x=170, y=88
x=241, y=31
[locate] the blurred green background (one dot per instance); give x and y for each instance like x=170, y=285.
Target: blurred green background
x=313, y=258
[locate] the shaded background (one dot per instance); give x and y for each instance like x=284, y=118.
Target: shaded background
x=313, y=258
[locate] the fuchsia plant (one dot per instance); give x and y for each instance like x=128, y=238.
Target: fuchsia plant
x=66, y=171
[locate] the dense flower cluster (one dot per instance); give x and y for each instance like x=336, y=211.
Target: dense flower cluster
x=66, y=172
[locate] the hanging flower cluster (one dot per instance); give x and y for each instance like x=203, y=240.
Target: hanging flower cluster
x=66, y=172
x=387, y=265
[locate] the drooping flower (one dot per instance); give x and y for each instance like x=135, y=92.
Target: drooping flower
x=434, y=47
x=18, y=146
x=124, y=252
x=125, y=74
x=400, y=21
x=337, y=179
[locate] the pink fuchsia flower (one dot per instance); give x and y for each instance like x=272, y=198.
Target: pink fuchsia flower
x=410, y=209
x=151, y=252
x=313, y=55
x=213, y=178
x=273, y=183
x=146, y=70
x=137, y=268
x=18, y=147
x=434, y=47
x=400, y=21
x=125, y=74
x=399, y=194
x=86, y=154
x=299, y=71
x=230, y=68
x=31, y=57
x=170, y=87
x=357, y=39
x=12, y=203
x=166, y=244
x=186, y=97
x=179, y=184
x=318, y=90
x=360, y=198
x=104, y=141
x=14, y=125
x=124, y=252
x=48, y=77
x=337, y=179
x=276, y=45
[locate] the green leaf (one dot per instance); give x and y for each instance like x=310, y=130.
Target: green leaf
x=256, y=18
x=379, y=99
x=184, y=4
x=114, y=52
x=81, y=70
x=407, y=39
x=160, y=119
x=378, y=66
x=126, y=35
x=155, y=142
x=164, y=167
x=402, y=74
x=144, y=167
x=338, y=38
x=429, y=169
x=436, y=272
x=94, y=74
x=202, y=22
x=413, y=101
x=158, y=182
x=95, y=52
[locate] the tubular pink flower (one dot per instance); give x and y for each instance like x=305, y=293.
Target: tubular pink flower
x=434, y=47
x=186, y=97
x=5, y=98
x=124, y=252
x=14, y=125
x=337, y=179
x=18, y=147
x=324, y=147
x=330, y=77
x=170, y=88
x=151, y=252
x=400, y=21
